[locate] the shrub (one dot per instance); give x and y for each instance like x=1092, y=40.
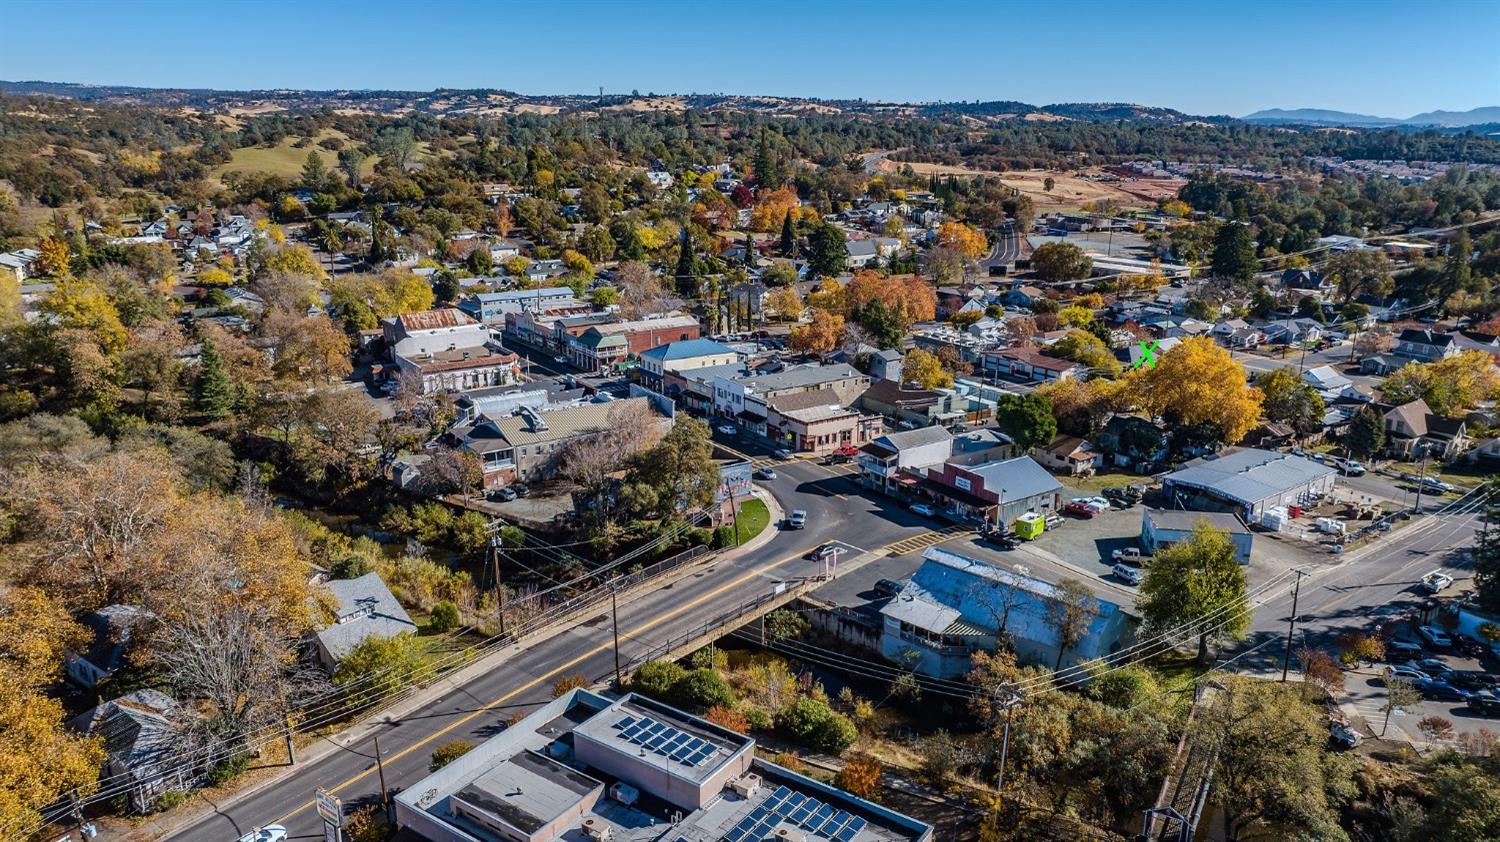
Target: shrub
x=861, y=775
x=710, y=657
x=730, y=718
x=444, y=617
x=940, y=756
x=1123, y=687
x=366, y=824
x=227, y=770
x=759, y=718
x=813, y=723
x=171, y=800
x=702, y=688
x=566, y=683
x=791, y=761
x=655, y=678
x=723, y=537
x=448, y=752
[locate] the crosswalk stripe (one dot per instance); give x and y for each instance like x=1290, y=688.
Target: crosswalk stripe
x=927, y=539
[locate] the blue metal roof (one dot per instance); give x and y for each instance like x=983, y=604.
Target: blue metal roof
x=687, y=349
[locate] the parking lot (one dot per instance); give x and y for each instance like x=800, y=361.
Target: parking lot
x=1365, y=687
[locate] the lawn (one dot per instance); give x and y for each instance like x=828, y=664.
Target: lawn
x=753, y=517
x=1097, y=482
x=285, y=159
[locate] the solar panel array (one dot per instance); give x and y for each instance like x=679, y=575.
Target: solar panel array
x=787, y=807
x=665, y=740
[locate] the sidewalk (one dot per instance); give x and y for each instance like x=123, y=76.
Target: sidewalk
x=166, y=824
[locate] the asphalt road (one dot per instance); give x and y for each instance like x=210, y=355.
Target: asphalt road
x=1004, y=250
x=478, y=709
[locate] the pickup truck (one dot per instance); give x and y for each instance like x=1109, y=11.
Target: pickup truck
x=1436, y=581
x=1127, y=554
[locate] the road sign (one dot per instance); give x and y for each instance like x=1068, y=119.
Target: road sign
x=330, y=808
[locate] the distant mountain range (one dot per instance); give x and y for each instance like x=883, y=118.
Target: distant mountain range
x=1325, y=117
x=484, y=102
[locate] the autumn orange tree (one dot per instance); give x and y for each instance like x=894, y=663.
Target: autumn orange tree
x=908, y=298
x=821, y=336
x=786, y=304
x=963, y=239
x=861, y=776
x=771, y=208
x=1198, y=382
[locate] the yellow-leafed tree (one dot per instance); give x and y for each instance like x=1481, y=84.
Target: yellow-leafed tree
x=1197, y=382
x=785, y=302
x=962, y=238
x=295, y=260
x=925, y=369
x=822, y=335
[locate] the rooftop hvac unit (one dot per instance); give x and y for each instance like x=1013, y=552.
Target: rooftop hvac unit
x=787, y=834
x=596, y=829
x=746, y=785
x=624, y=793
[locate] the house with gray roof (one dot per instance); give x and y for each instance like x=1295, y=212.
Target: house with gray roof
x=1247, y=482
x=111, y=631
x=899, y=460
x=366, y=609
x=1161, y=528
x=955, y=605
x=142, y=736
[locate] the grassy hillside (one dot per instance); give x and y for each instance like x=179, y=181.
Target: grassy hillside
x=286, y=159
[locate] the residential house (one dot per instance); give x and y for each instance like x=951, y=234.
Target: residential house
x=886, y=364
x=818, y=422
x=954, y=606
x=1133, y=442
x=1382, y=364
x=586, y=768
x=143, y=739
x=1294, y=331
x=1297, y=284
x=1425, y=345
x=995, y=492
x=1411, y=429
x=1137, y=352
x=1029, y=364
x=1248, y=482
x=366, y=609
x=111, y=631
x=1069, y=455
x=1327, y=382
x=679, y=356
x=20, y=264
x=1236, y=333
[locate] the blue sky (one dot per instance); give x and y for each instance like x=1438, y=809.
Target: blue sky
x=1391, y=58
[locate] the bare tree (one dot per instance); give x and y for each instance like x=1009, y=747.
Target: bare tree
x=641, y=291
x=455, y=469
x=1069, y=612
x=239, y=666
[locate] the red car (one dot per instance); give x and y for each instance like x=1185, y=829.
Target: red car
x=847, y=450
x=1080, y=509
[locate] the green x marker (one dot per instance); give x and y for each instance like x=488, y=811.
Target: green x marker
x=1148, y=358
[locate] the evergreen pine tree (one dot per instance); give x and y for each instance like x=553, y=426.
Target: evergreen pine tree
x=749, y=249
x=788, y=244
x=767, y=167
x=1366, y=434
x=1234, y=253
x=213, y=395
x=377, y=248
x=1456, y=274
x=687, y=281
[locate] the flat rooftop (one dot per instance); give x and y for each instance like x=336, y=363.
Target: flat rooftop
x=530, y=777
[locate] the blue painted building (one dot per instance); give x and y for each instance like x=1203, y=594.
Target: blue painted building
x=955, y=605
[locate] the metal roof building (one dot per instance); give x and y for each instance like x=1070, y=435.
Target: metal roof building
x=1247, y=481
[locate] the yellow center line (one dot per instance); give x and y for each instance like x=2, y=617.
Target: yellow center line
x=604, y=647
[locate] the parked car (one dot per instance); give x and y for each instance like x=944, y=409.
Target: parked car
x=506, y=494
x=269, y=833
x=1475, y=680
x=1437, y=689
x=1128, y=572
x=837, y=459
x=729, y=429
x=923, y=509
x=1132, y=554
x=560, y=359
x=888, y=587
x=1079, y=508
x=1428, y=483
x=1484, y=703
x=1053, y=520
x=1468, y=646
x=797, y=519
x=521, y=489
x=1123, y=496
x=1435, y=668
x=764, y=474
x=847, y=450
x=784, y=454
x=1435, y=636
x=1402, y=650
x=1436, y=581
x=1353, y=468
x=1406, y=673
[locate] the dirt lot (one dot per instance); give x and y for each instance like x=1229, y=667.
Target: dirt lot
x=1069, y=190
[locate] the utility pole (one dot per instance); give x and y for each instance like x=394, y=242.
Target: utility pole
x=614, y=611
x=1286, y=658
x=1010, y=705
x=385, y=799
x=1421, y=481
x=499, y=588
x=286, y=724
